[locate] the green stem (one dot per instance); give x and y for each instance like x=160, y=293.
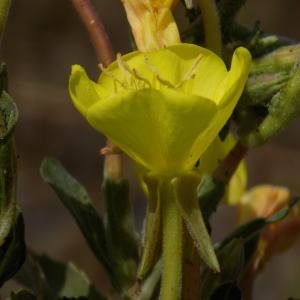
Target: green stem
x=212, y=30
x=172, y=245
x=4, y=8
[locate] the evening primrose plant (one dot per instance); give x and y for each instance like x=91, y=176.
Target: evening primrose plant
x=163, y=109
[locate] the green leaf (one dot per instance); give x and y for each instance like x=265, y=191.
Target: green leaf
x=8, y=169
x=32, y=277
x=152, y=232
x=9, y=117
x=22, y=295
x=250, y=229
x=8, y=183
x=77, y=201
x=66, y=280
x=249, y=232
x=231, y=258
x=52, y=279
x=245, y=231
x=13, y=251
x=281, y=214
x=190, y=211
x=122, y=238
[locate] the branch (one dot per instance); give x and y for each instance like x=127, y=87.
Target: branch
x=96, y=31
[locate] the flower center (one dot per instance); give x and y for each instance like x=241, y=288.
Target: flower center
x=135, y=80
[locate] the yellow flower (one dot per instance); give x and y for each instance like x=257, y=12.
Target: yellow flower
x=163, y=108
x=152, y=23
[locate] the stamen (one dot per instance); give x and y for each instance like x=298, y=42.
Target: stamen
x=154, y=70
x=124, y=68
x=137, y=75
x=111, y=75
x=133, y=72
x=190, y=73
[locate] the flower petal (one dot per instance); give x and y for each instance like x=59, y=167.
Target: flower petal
x=233, y=84
x=155, y=128
x=229, y=91
x=83, y=91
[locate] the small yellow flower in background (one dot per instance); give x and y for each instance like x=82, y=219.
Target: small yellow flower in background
x=152, y=23
x=264, y=201
x=163, y=108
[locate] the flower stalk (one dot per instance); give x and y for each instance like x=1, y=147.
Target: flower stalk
x=172, y=245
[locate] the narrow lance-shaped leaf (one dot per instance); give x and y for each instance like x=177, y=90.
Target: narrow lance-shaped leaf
x=13, y=251
x=231, y=258
x=32, y=277
x=8, y=168
x=77, y=201
x=191, y=213
x=122, y=238
x=66, y=280
x=152, y=233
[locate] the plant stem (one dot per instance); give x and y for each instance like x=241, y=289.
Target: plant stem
x=4, y=8
x=229, y=165
x=191, y=282
x=113, y=166
x=96, y=30
x=212, y=30
x=172, y=245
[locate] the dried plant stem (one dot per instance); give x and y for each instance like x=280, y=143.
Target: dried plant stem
x=113, y=168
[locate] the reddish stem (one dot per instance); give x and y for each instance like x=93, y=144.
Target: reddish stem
x=228, y=166
x=96, y=31
x=105, y=54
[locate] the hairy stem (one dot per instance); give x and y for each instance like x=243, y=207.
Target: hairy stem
x=212, y=30
x=172, y=245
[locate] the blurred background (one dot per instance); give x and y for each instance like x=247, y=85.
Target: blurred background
x=43, y=39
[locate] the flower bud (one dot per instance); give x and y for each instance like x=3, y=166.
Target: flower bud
x=152, y=23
